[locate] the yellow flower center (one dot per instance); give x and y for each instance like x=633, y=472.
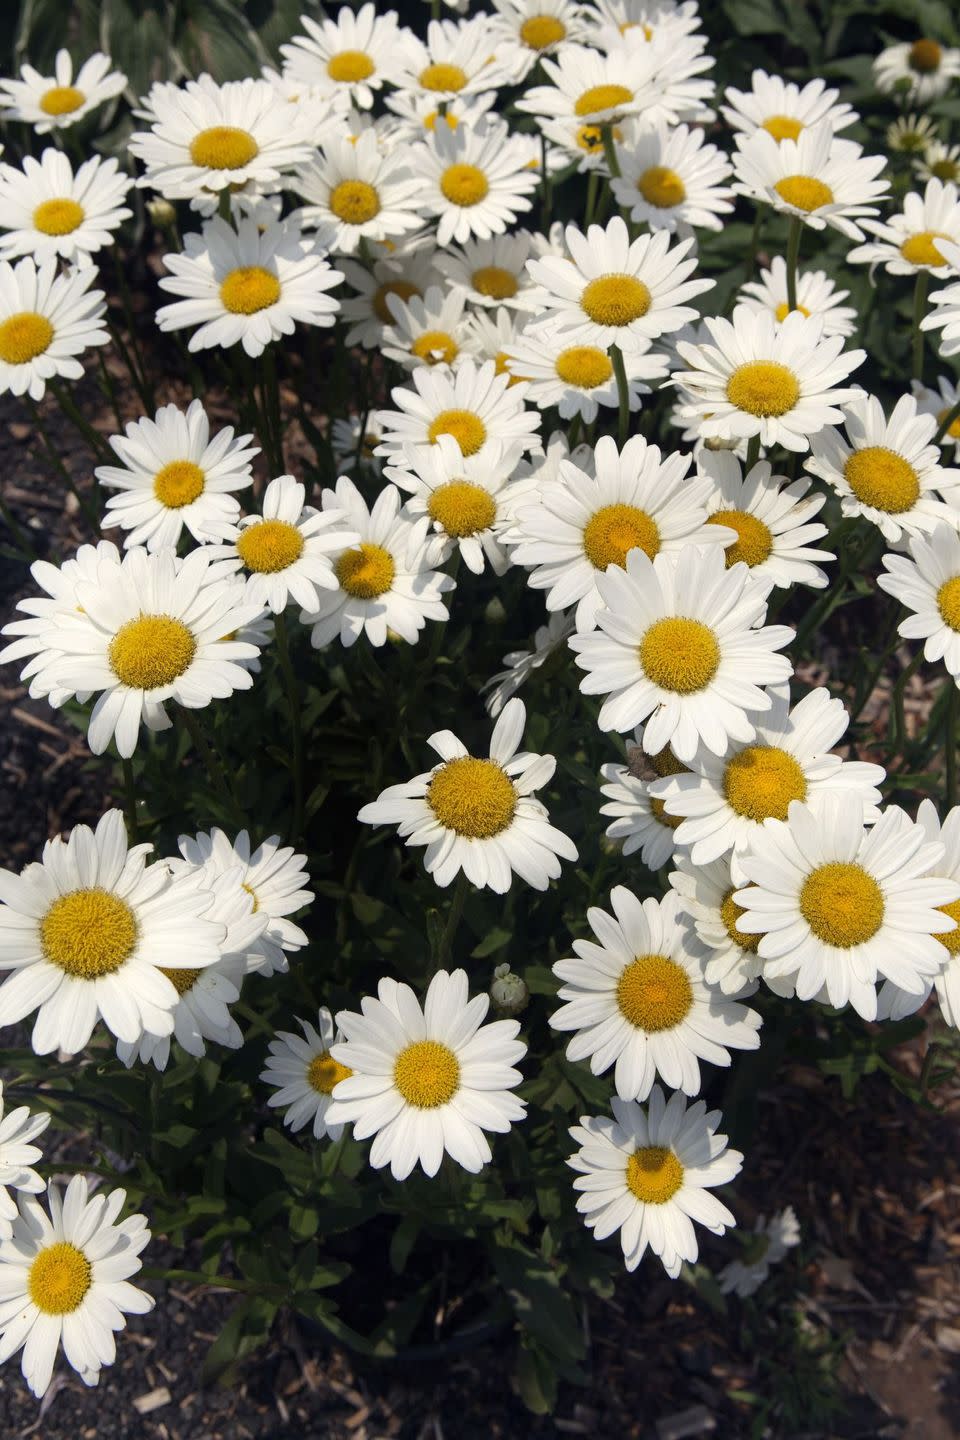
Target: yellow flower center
x=476, y=798
x=763, y=388
x=151, y=651
x=427, y=1074
x=88, y=933
x=435, y=347
x=954, y=430
x=615, y=299
x=658, y=809
x=495, y=282
x=24, y=336
x=584, y=366
x=602, y=97
x=882, y=479
x=662, y=187
x=59, y=1278
x=403, y=288
x=730, y=913
x=248, y=289
x=462, y=508
x=354, y=202
x=654, y=1174
x=680, y=655
x=350, y=66
x=948, y=602
x=590, y=138
x=430, y=121
x=542, y=31
x=614, y=530
x=464, y=184
x=754, y=541
x=324, y=1072
x=666, y=763
x=223, y=147
x=761, y=780
x=804, y=192
x=58, y=217
x=920, y=249
x=62, y=100
x=654, y=993
x=782, y=127
x=182, y=981
x=269, y=546
x=178, y=484
x=951, y=938
x=946, y=170
x=783, y=310
x=366, y=572
x=466, y=428
x=842, y=904
x=925, y=56
x=443, y=77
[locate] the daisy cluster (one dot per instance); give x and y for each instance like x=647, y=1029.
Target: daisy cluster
x=387, y=187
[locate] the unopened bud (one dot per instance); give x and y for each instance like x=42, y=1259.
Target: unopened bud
x=161, y=212
x=508, y=992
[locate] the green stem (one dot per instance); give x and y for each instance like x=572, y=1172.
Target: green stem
x=109, y=388
x=454, y=915
x=197, y=1277
x=753, y=452
x=623, y=394
x=573, y=434
x=950, y=742
x=947, y=421
x=211, y=760
x=546, y=195
x=754, y=243
x=609, y=150
x=919, y=309
x=897, y=715
x=93, y=437
x=296, y=727
x=17, y=533
x=130, y=793
x=793, y=255
x=61, y=469
x=224, y=209
x=593, y=185
x=270, y=394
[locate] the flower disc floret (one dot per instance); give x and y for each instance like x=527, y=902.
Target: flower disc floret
x=615, y=299
x=495, y=282
x=475, y=798
x=24, y=336
x=730, y=913
x=602, y=97
x=355, y=202
x=462, y=508
x=59, y=1278
x=151, y=651
x=466, y=428
x=680, y=654
x=948, y=602
x=62, y=100
x=615, y=530
x=782, y=127
x=662, y=187
x=754, y=542
x=760, y=781
x=654, y=993
x=881, y=478
x=925, y=56
x=403, y=289
x=427, y=1074
x=842, y=904
x=366, y=571
x=539, y=32
x=951, y=938
x=443, y=77
x=269, y=546
x=323, y=1073
x=585, y=366
x=249, y=289
x=921, y=249
x=58, y=217
x=179, y=483
x=464, y=184
x=223, y=147
x=182, y=981
x=350, y=66
x=88, y=933
x=804, y=192
x=435, y=347
x=763, y=388
x=654, y=1174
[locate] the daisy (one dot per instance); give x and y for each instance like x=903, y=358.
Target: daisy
x=885, y=470
x=492, y=334
x=458, y=59
x=273, y=874
x=207, y=137
x=415, y=113
x=582, y=524
x=771, y=519
x=479, y=815
x=782, y=381
x=174, y=476
x=917, y=72
x=816, y=295
x=407, y=272
x=638, y=999
x=88, y=932
x=46, y=321
x=724, y=800
x=66, y=1280
x=706, y=900
x=939, y=403
x=385, y=583
x=578, y=379
x=946, y=305
x=356, y=190
x=49, y=212
x=475, y=405
x=648, y=1173
x=677, y=59
x=639, y=821
x=593, y=88
x=911, y=241
x=18, y=1154
x=526, y=30
x=427, y=1081
x=346, y=59
x=352, y=449
x=939, y=162
x=52, y=102
x=305, y=1074
x=837, y=905
x=285, y=551
x=784, y=109
x=911, y=134
x=428, y=331
x=895, y=1003
x=928, y=584
x=490, y=272
x=475, y=180
x=521, y=664
x=573, y=140
x=681, y=640
x=768, y=1243
x=670, y=180
x=816, y=178
x=247, y=285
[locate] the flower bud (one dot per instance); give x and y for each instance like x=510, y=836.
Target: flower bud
x=161, y=212
x=508, y=992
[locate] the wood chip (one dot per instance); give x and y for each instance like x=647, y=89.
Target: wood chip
x=695, y=1421
x=153, y=1400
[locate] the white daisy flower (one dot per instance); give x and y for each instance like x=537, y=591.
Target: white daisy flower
x=490, y=272
x=581, y=524
x=46, y=321
x=816, y=295
x=614, y=292
x=273, y=874
x=459, y=58
x=475, y=180
x=911, y=240
x=352, y=449
x=945, y=303
x=768, y=1243
x=479, y=815
x=521, y=664
x=771, y=519
x=638, y=1000
x=895, y=1003
x=573, y=140
x=670, y=180
x=427, y=1081
x=928, y=584
x=837, y=905
x=52, y=102
x=88, y=932
x=646, y=15
x=526, y=30
x=174, y=476
x=911, y=134
x=939, y=403
x=648, y=1173
x=724, y=800
x=593, y=88
x=640, y=822
x=939, y=162
x=385, y=583
x=356, y=190
x=407, y=272
x=782, y=381
x=49, y=213
x=247, y=285
x=305, y=1074
x=346, y=59
x=678, y=57
x=783, y=109
x=816, y=178
x=66, y=1281
x=916, y=73
x=578, y=379
x=475, y=405
x=18, y=1155
x=415, y=114
x=681, y=640
x=706, y=900
x=490, y=334
x=428, y=331
x=885, y=470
